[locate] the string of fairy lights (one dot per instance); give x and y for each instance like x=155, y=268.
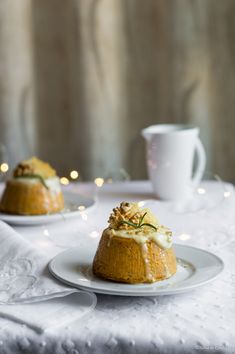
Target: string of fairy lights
x=73, y=176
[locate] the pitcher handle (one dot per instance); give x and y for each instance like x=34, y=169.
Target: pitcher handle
x=201, y=164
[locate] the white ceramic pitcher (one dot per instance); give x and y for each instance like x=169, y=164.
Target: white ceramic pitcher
x=170, y=152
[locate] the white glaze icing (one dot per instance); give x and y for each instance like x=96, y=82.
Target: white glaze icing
x=166, y=267
x=148, y=271
x=53, y=183
x=164, y=241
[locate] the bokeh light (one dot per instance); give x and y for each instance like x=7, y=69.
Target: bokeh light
x=74, y=174
x=64, y=181
x=227, y=194
x=94, y=234
x=4, y=167
x=184, y=237
x=201, y=191
x=99, y=181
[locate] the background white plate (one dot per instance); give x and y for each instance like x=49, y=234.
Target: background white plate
x=72, y=202
x=196, y=267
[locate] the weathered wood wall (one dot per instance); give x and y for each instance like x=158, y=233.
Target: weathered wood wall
x=80, y=79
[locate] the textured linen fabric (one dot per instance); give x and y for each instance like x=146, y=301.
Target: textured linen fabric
x=195, y=322
x=24, y=278
x=52, y=313
x=24, y=273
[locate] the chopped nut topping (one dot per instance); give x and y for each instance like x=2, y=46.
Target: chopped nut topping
x=34, y=166
x=132, y=213
x=130, y=217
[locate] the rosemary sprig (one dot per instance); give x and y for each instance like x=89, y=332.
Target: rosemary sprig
x=129, y=223
x=34, y=176
x=141, y=219
x=140, y=223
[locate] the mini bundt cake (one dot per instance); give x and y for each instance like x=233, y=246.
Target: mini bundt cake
x=34, y=189
x=135, y=248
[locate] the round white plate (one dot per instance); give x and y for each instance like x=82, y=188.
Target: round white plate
x=74, y=205
x=195, y=267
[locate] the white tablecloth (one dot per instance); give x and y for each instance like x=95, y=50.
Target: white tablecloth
x=196, y=322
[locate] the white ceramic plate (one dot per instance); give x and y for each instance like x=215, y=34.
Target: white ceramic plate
x=195, y=267
x=74, y=204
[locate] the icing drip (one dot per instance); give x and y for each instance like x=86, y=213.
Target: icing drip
x=167, y=272
x=148, y=271
x=110, y=239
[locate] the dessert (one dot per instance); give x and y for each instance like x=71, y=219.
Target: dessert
x=34, y=189
x=135, y=247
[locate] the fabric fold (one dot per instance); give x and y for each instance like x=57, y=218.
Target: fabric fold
x=50, y=314
x=25, y=279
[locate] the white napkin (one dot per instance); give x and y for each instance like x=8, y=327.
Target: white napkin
x=24, y=278
x=50, y=314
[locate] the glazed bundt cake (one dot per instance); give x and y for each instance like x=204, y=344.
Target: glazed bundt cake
x=135, y=248
x=34, y=189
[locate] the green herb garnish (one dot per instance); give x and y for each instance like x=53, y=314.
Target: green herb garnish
x=34, y=176
x=140, y=223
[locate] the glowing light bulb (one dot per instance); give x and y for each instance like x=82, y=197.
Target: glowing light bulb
x=4, y=167
x=227, y=194
x=99, y=181
x=94, y=234
x=84, y=216
x=201, y=191
x=74, y=174
x=64, y=181
x=184, y=237
x=81, y=208
x=46, y=232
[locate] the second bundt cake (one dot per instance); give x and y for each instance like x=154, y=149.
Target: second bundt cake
x=34, y=189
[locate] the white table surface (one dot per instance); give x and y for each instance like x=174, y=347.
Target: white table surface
x=199, y=321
